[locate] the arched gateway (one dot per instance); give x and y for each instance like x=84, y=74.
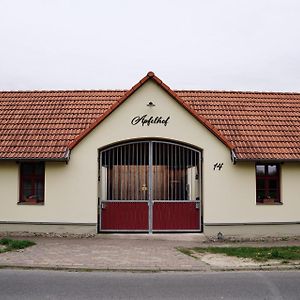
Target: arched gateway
x=149, y=186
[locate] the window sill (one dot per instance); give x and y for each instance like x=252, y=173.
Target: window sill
x=269, y=203
x=30, y=203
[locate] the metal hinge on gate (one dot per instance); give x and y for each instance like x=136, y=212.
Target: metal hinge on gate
x=197, y=205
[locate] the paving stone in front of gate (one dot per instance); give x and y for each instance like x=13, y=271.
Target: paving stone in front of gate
x=98, y=253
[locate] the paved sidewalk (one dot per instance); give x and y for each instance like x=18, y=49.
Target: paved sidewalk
x=125, y=252
x=104, y=253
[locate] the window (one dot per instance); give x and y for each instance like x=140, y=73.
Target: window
x=267, y=184
x=32, y=183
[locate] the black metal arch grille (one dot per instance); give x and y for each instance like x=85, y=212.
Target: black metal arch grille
x=150, y=170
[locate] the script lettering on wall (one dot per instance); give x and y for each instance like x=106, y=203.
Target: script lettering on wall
x=218, y=166
x=150, y=120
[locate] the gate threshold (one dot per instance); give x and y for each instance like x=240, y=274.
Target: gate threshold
x=187, y=237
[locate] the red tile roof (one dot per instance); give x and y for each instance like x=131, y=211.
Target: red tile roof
x=262, y=126
x=47, y=125
x=41, y=125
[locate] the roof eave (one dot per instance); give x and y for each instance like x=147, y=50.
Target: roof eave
x=35, y=159
x=269, y=160
x=65, y=158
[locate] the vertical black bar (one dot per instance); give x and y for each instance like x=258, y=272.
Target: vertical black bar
x=137, y=170
x=193, y=180
x=146, y=167
x=110, y=174
x=150, y=195
x=154, y=164
x=107, y=176
x=185, y=153
x=172, y=172
x=121, y=173
x=143, y=154
x=175, y=167
x=199, y=195
x=181, y=149
x=117, y=174
x=168, y=171
x=154, y=168
x=129, y=172
x=163, y=155
x=100, y=195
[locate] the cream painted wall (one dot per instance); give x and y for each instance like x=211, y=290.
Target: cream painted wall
x=9, y=190
x=71, y=189
x=238, y=204
x=54, y=209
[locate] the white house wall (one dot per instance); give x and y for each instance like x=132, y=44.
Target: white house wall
x=71, y=189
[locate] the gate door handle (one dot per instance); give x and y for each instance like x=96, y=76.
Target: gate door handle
x=197, y=205
x=144, y=188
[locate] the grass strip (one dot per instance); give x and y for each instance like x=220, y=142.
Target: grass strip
x=186, y=251
x=255, y=253
x=10, y=245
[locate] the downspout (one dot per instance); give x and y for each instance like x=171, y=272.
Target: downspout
x=233, y=157
x=67, y=155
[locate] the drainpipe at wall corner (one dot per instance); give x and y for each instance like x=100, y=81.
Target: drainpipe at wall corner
x=67, y=155
x=233, y=157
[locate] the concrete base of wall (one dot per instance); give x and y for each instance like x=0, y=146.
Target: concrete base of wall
x=49, y=228
x=253, y=230
x=228, y=230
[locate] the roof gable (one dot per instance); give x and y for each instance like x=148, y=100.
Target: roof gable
x=151, y=76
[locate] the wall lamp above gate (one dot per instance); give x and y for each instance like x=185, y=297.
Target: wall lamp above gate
x=151, y=104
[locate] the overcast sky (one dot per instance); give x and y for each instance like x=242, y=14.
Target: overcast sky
x=190, y=44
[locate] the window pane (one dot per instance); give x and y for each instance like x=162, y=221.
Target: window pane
x=272, y=184
x=32, y=182
x=273, y=194
x=272, y=170
x=260, y=184
x=260, y=170
x=27, y=169
x=267, y=186
x=260, y=194
x=39, y=169
x=27, y=189
x=39, y=190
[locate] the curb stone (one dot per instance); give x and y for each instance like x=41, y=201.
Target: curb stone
x=151, y=270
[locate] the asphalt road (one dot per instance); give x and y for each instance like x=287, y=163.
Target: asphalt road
x=29, y=284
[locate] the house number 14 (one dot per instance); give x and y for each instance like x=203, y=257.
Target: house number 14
x=218, y=166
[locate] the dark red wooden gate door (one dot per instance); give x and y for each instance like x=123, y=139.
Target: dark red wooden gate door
x=125, y=216
x=149, y=186
x=176, y=216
